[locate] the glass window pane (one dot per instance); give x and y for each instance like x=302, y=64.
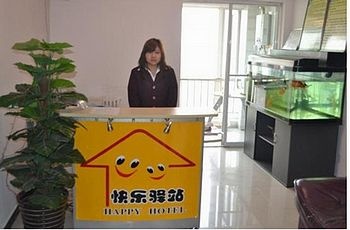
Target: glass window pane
x=200, y=42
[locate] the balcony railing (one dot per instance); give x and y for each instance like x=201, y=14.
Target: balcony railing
x=203, y=92
x=197, y=92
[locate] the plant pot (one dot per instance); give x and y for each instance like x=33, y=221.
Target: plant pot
x=39, y=218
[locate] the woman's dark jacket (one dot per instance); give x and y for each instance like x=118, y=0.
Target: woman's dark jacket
x=144, y=92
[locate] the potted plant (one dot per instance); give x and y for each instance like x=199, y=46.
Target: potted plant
x=39, y=170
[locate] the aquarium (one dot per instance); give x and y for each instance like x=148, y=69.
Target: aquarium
x=296, y=95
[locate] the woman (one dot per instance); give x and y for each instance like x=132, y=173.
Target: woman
x=153, y=82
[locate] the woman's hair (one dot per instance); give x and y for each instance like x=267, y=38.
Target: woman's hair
x=149, y=47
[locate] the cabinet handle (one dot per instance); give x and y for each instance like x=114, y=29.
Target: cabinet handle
x=275, y=137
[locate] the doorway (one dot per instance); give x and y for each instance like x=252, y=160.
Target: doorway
x=216, y=41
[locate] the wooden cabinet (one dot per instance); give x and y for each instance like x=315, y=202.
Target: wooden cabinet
x=291, y=150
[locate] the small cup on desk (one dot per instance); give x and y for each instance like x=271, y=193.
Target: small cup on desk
x=82, y=104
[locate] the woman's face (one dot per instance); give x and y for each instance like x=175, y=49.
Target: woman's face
x=153, y=58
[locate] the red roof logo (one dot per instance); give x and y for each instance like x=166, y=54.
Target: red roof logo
x=137, y=154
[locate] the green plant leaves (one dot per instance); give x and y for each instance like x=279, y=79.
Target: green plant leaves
x=30, y=112
x=24, y=178
x=12, y=99
x=68, y=157
x=29, y=184
x=41, y=59
x=31, y=45
x=57, y=47
x=35, y=45
x=72, y=97
x=40, y=166
x=11, y=162
x=62, y=65
x=54, y=68
x=22, y=88
x=61, y=83
x=32, y=70
x=46, y=200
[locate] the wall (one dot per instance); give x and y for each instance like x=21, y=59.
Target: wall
x=108, y=36
x=341, y=159
x=340, y=164
x=19, y=21
x=299, y=9
x=287, y=15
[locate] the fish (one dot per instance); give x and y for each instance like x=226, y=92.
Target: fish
x=298, y=84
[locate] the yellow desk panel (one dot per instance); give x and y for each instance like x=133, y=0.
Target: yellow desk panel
x=137, y=172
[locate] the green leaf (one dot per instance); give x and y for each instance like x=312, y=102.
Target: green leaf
x=31, y=45
x=63, y=60
x=29, y=184
x=66, y=131
x=75, y=157
x=45, y=201
x=72, y=97
x=41, y=163
x=60, y=126
x=26, y=95
x=23, y=87
x=54, y=106
x=11, y=99
x=41, y=59
x=56, y=47
x=62, y=65
x=68, y=157
x=24, y=179
x=46, y=66
x=9, y=162
x=61, y=177
x=43, y=147
x=30, y=112
x=33, y=70
x=35, y=45
x=17, y=183
x=18, y=100
x=61, y=83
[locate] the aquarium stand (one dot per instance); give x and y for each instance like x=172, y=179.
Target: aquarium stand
x=289, y=149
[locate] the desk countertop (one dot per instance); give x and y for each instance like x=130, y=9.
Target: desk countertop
x=122, y=113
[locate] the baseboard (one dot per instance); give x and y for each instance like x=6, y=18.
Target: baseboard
x=12, y=219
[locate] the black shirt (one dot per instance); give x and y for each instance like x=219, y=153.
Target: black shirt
x=144, y=92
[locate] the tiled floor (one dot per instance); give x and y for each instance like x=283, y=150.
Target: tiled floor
x=237, y=193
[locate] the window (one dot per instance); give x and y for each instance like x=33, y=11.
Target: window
x=205, y=50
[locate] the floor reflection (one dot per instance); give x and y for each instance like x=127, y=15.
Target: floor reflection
x=237, y=193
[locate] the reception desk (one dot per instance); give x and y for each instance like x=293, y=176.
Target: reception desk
x=143, y=167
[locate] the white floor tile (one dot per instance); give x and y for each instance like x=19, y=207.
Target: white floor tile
x=236, y=193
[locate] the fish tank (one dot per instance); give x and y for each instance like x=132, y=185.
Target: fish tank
x=288, y=93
